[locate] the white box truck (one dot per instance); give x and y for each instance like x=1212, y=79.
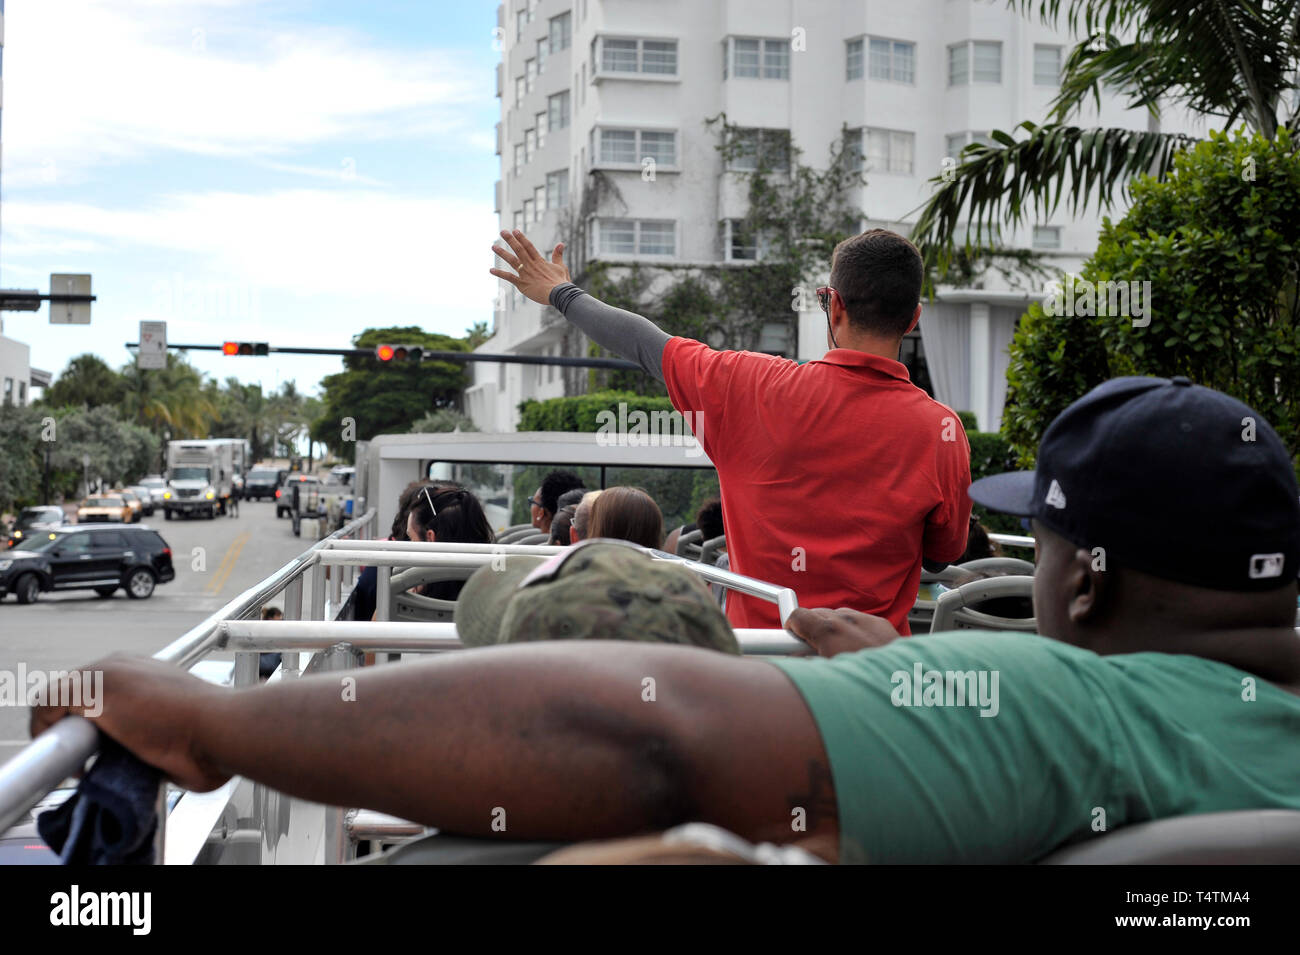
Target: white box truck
x=200, y=478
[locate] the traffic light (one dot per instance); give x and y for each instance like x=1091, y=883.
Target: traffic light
x=245, y=348
x=399, y=352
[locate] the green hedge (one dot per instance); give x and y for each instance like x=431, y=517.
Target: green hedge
x=991, y=453
x=579, y=413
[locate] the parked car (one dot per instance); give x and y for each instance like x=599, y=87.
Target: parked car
x=157, y=486
x=284, y=496
x=98, y=557
x=263, y=482
x=104, y=507
x=146, y=499
x=133, y=502
x=34, y=520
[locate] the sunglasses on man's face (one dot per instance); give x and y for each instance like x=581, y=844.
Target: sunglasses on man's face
x=536, y=503
x=824, y=298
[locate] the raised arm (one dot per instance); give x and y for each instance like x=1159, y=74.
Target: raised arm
x=572, y=740
x=625, y=333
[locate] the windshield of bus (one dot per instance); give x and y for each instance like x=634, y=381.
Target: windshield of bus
x=505, y=489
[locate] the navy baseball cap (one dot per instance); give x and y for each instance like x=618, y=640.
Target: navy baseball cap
x=1173, y=479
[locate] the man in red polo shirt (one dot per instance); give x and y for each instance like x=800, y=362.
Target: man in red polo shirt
x=838, y=476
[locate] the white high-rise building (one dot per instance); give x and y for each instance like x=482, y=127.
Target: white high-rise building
x=620, y=87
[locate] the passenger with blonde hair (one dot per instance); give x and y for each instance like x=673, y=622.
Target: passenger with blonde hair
x=630, y=514
x=581, y=524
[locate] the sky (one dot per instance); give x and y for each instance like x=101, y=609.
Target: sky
x=288, y=171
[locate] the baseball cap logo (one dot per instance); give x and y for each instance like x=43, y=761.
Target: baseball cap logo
x=1055, y=496
x=1266, y=565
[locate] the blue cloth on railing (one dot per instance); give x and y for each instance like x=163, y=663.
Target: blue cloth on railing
x=111, y=818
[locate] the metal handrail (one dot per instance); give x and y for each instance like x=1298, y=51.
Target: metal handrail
x=62, y=750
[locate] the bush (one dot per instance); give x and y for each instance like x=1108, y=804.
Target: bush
x=578, y=413
x=991, y=453
x=1218, y=242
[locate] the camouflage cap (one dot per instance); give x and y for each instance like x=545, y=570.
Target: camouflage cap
x=596, y=590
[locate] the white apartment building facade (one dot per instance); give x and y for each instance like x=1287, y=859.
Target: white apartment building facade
x=622, y=86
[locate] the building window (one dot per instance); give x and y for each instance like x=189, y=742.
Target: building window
x=753, y=58
x=1047, y=237
x=743, y=245
x=954, y=144
x=543, y=47
x=978, y=61
x=539, y=203
x=882, y=150
x=584, y=83
x=521, y=21
x=769, y=148
x=530, y=74
x=9, y=391
x=528, y=212
x=22, y=393
x=519, y=90
x=519, y=158
x=557, y=189
x=651, y=57
x=560, y=32
x=774, y=338
x=518, y=220
x=629, y=147
x=853, y=59
x=893, y=60
x=1047, y=65
x=543, y=127
x=636, y=237
x=557, y=111
x=530, y=144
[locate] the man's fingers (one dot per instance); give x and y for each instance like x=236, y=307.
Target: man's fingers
x=507, y=256
x=809, y=625
x=508, y=276
x=557, y=256
x=524, y=247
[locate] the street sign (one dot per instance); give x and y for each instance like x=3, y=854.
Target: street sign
x=153, y=346
x=69, y=313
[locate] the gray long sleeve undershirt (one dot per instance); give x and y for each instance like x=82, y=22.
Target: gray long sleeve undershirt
x=625, y=333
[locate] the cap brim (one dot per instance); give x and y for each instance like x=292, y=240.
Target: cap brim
x=483, y=600
x=1010, y=493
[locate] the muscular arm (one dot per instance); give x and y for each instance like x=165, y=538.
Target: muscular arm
x=559, y=735
x=625, y=333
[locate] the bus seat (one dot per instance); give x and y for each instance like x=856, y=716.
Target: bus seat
x=688, y=544
x=954, y=609
x=710, y=549
x=512, y=533
x=1248, y=837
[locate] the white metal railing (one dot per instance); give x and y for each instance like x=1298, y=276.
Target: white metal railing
x=64, y=749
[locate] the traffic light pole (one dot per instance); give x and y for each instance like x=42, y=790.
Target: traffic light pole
x=427, y=355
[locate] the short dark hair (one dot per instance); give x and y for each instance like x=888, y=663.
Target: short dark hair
x=709, y=519
x=555, y=484
x=878, y=275
x=573, y=497
x=560, y=525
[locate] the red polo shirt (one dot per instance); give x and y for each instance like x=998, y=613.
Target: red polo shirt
x=837, y=475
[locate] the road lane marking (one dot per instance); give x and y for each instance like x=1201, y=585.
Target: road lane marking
x=228, y=564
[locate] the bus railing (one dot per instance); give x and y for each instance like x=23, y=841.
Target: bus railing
x=326, y=567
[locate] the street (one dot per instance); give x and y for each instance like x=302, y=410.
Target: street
x=215, y=560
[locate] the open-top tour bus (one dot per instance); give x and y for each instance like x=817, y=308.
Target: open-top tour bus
x=248, y=823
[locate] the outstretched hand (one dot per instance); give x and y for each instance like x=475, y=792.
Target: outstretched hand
x=831, y=632
x=533, y=275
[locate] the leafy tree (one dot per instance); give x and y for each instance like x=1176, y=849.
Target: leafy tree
x=387, y=397
x=442, y=421
x=120, y=452
x=1218, y=242
x=86, y=382
x=1234, y=62
x=21, y=456
x=168, y=399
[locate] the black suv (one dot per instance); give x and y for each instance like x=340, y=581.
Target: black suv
x=262, y=482
x=98, y=557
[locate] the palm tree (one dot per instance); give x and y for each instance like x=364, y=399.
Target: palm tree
x=1232, y=60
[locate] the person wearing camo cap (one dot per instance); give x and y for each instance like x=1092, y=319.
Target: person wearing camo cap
x=596, y=590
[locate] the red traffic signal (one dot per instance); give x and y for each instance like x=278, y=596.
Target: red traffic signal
x=399, y=352
x=245, y=348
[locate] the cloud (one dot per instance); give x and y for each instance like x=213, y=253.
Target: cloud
x=103, y=82
x=415, y=251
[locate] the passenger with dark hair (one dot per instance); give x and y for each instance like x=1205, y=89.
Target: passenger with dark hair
x=547, y=499
x=561, y=536
x=882, y=467
x=709, y=519
x=446, y=512
x=627, y=513
x=978, y=544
